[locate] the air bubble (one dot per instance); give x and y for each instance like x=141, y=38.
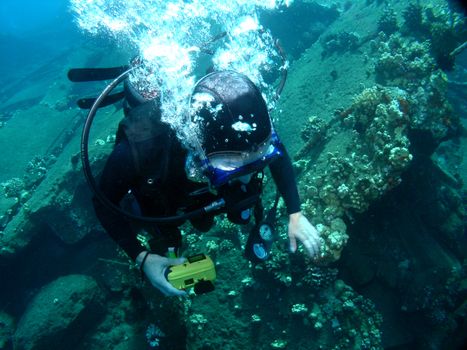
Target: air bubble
x=168, y=33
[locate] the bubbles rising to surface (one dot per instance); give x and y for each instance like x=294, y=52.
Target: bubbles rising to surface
x=171, y=37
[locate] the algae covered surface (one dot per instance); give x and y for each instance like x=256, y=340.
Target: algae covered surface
x=373, y=117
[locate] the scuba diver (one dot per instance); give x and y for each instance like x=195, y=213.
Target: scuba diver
x=151, y=173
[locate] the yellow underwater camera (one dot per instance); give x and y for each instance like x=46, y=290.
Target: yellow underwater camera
x=198, y=271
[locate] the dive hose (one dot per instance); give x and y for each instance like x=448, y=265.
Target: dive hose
x=216, y=205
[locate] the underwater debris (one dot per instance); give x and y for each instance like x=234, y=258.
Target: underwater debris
x=458, y=49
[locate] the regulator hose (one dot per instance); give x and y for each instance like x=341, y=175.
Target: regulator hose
x=218, y=204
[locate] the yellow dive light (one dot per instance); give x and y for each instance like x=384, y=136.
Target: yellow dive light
x=198, y=272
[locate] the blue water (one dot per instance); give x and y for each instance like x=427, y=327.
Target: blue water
x=33, y=31
x=23, y=17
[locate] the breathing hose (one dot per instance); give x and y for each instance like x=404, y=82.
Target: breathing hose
x=218, y=204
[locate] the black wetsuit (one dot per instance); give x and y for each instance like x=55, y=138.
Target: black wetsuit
x=157, y=180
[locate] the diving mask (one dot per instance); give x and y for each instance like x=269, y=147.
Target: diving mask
x=223, y=167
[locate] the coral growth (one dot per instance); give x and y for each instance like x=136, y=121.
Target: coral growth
x=336, y=308
x=367, y=163
x=444, y=29
x=13, y=187
x=383, y=126
x=408, y=64
x=401, y=62
x=387, y=23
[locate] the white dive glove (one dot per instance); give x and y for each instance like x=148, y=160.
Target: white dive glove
x=300, y=228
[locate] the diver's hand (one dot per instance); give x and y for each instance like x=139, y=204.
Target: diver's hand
x=300, y=228
x=154, y=268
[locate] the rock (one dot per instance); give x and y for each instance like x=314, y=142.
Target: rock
x=62, y=194
x=60, y=314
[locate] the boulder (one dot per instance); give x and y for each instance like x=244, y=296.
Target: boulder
x=60, y=314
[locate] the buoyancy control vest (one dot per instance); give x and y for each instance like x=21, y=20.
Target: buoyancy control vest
x=162, y=185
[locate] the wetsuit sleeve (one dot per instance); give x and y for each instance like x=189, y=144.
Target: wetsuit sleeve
x=117, y=177
x=284, y=177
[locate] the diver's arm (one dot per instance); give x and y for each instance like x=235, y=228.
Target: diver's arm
x=283, y=174
x=115, y=182
x=299, y=226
